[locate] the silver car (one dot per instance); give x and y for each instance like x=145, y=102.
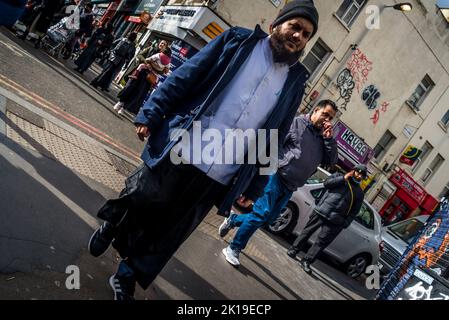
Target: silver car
x=355, y=248
x=395, y=240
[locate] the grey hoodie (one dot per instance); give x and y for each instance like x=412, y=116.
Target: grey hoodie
x=304, y=149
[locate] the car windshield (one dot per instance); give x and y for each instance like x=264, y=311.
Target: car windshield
x=407, y=230
x=318, y=177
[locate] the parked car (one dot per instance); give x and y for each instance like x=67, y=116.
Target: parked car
x=395, y=240
x=355, y=248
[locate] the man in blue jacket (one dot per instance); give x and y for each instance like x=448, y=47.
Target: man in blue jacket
x=242, y=80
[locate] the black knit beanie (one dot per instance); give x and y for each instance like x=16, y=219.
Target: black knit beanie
x=299, y=8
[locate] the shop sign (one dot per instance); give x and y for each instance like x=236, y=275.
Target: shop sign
x=410, y=155
x=134, y=19
x=145, y=17
x=406, y=182
x=177, y=20
x=352, y=144
x=150, y=6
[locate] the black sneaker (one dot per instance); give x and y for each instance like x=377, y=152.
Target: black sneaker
x=292, y=253
x=123, y=288
x=101, y=239
x=305, y=265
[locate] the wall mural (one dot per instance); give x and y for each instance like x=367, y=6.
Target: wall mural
x=417, y=274
x=354, y=76
x=345, y=82
x=360, y=67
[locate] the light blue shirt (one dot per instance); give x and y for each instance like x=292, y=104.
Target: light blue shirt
x=246, y=103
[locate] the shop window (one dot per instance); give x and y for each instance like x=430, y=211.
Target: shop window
x=426, y=149
x=317, y=57
x=384, y=145
x=349, y=10
x=432, y=169
x=365, y=217
x=421, y=92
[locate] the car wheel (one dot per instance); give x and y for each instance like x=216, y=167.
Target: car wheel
x=286, y=221
x=357, y=265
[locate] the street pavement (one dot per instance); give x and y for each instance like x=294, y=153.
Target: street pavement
x=63, y=152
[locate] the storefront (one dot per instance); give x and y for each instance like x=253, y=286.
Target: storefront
x=352, y=149
x=410, y=199
x=194, y=25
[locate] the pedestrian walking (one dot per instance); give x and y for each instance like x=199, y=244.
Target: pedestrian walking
x=123, y=51
x=144, y=79
x=88, y=55
x=165, y=201
x=143, y=55
x=336, y=210
x=309, y=143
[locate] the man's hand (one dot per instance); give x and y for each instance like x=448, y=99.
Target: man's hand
x=328, y=131
x=245, y=202
x=349, y=175
x=142, y=132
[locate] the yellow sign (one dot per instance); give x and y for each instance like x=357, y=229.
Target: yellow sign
x=213, y=30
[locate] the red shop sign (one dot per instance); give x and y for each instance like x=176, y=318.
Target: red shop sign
x=406, y=182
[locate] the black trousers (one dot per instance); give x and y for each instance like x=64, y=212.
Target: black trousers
x=156, y=212
x=327, y=234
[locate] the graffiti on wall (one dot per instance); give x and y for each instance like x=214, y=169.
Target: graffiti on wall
x=354, y=76
x=429, y=251
x=371, y=96
x=360, y=67
x=346, y=84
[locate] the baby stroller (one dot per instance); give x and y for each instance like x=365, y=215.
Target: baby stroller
x=57, y=37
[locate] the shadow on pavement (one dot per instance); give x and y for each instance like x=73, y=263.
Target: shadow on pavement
x=189, y=282
x=38, y=228
x=271, y=275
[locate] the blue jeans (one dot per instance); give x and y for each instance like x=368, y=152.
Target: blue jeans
x=265, y=211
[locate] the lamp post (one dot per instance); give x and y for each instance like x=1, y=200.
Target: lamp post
x=403, y=6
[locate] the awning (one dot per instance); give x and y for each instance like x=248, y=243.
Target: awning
x=180, y=21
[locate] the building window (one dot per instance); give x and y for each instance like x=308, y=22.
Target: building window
x=421, y=92
x=426, y=149
x=445, y=192
x=349, y=10
x=384, y=144
x=445, y=119
x=432, y=169
x=317, y=56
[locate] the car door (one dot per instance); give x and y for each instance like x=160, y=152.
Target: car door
x=357, y=238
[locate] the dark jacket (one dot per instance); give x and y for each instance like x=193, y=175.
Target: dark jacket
x=335, y=205
x=303, y=150
x=186, y=95
x=123, y=51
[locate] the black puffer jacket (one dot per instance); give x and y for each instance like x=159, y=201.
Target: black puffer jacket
x=335, y=205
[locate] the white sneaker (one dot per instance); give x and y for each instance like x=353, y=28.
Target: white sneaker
x=118, y=106
x=121, y=111
x=232, y=256
x=225, y=227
